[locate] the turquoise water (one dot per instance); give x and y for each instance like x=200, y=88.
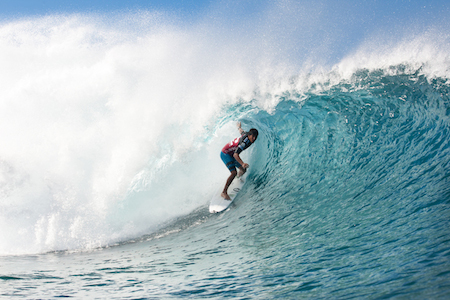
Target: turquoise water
x=112, y=155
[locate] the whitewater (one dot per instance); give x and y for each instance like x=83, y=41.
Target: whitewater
x=112, y=125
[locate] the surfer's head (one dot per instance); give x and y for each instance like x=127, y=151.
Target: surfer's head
x=252, y=134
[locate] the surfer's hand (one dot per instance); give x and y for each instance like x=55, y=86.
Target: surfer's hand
x=245, y=166
x=238, y=124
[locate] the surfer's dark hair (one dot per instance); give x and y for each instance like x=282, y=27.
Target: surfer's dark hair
x=253, y=132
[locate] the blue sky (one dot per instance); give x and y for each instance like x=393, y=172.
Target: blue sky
x=22, y=8
x=397, y=8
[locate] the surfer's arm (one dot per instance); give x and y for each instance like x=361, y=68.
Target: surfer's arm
x=241, y=131
x=239, y=160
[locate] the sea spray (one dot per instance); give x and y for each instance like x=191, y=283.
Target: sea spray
x=89, y=110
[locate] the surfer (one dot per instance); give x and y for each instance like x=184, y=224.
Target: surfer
x=230, y=155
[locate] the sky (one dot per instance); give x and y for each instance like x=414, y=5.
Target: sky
x=393, y=8
x=24, y=8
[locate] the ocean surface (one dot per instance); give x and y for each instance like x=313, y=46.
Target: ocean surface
x=109, y=156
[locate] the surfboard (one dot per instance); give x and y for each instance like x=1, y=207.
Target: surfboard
x=219, y=204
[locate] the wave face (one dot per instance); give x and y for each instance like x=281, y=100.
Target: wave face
x=352, y=184
x=112, y=133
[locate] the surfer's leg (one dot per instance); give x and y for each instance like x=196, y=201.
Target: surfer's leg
x=227, y=184
x=231, y=164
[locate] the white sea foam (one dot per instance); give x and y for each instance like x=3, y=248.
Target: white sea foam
x=105, y=127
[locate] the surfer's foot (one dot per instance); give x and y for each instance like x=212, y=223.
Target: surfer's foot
x=225, y=196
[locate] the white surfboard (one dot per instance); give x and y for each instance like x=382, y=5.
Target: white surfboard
x=218, y=203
